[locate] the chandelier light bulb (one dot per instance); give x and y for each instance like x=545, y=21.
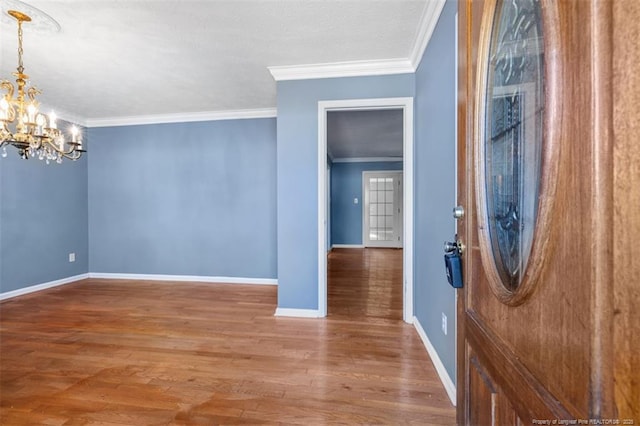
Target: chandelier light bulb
x=4, y=109
x=31, y=113
x=52, y=120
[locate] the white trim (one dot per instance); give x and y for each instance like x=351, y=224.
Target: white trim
x=43, y=286
x=407, y=210
x=448, y=384
x=368, y=160
x=298, y=313
x=428, y=22
x=322, y=210
x=406, y=104
x=182, y=117
x=342, y=69
x=348, y=246
x=184, y=278
x=366, y=104
x=63, y=115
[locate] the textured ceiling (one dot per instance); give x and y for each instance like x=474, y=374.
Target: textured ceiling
x=117, y=58
x=362, y=134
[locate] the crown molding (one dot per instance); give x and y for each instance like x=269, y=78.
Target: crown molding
x=182, y=117
x=428, y=22
x=67, y=116
x=341, y=69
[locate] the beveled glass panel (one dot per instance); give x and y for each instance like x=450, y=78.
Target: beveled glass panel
x=513, y=127
x=388, y=183
x=389, y=222
x=389, y=196
x=388, y=209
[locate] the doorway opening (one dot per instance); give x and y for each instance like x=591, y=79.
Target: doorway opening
x=406, y=191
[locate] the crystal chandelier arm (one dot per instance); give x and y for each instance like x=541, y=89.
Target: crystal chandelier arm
x=32, y=92
x=6, y=85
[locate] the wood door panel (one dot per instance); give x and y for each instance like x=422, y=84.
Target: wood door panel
x=545, y=332
x=553, y=356
x=492, y=407
x=505, y=414
x=484, y=391
x=526, y=393
x=550, y=335
x=626, y=199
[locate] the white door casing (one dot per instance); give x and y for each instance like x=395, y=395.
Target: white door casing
x=406, y=104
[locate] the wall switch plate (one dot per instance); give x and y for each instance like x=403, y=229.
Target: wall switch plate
x=355, y=200
x=444, y=323
x=72, y=257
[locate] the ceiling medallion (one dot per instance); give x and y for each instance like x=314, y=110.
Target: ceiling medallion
x=21, y=124
x=41, y=22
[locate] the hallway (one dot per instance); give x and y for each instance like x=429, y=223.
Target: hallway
x=365, y=283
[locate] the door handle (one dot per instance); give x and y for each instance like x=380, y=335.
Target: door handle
x=450, y=247
x=458, y=212
x=454, y=246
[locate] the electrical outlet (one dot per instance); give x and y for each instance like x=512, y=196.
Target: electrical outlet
x=444, y=324
x=72, y=257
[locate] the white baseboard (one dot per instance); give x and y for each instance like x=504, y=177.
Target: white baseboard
x=43, y=286
x=191, y=278
x=347, y=246
x=449, y=386
x=299, y=313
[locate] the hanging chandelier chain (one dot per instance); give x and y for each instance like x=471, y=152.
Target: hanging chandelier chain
x=20, y=50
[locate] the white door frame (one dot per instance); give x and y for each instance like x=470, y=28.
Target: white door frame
x=406, y=104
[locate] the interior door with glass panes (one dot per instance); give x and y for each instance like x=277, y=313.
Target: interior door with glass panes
x=382, y=210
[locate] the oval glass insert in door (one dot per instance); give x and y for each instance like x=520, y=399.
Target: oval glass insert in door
x=513, y=135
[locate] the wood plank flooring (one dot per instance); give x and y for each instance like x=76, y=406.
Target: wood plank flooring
x=160, y=353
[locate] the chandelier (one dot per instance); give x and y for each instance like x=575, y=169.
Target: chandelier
x=22, y=126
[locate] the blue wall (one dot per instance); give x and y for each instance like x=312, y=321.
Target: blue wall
x=298, y=174
x=43, y=216
x=346, y=184
x=184, y=199
x=435, y=185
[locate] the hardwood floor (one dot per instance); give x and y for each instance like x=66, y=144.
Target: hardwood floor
x=160, y=353
x=365, y=283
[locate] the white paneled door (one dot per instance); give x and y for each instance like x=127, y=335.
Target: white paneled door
x=382, y=209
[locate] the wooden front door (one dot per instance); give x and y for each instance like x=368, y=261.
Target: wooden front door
x=542, y=311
